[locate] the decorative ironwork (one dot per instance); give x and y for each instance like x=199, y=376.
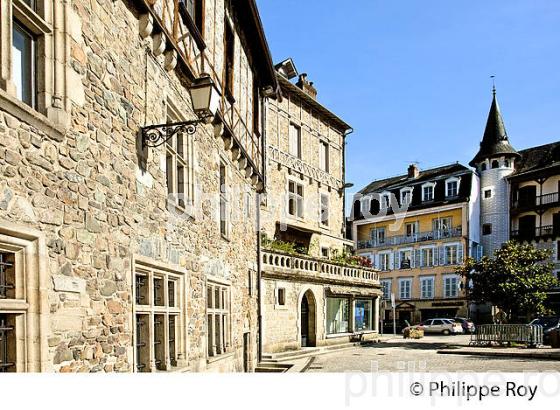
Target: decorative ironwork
x=5, y=330
x=4, y=284
x=156, y=135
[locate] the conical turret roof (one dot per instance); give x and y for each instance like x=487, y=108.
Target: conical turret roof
x=495, y=141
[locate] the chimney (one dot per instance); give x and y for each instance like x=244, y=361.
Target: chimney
x=307, y=86
x=413, y=171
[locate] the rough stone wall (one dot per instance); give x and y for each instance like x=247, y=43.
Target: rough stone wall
x=313, y=128
x=97, y=208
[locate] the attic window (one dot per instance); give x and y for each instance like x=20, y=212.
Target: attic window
x=495, y=164
x=483, y=167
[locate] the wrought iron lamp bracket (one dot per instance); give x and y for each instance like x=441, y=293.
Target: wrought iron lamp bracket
x=156, y=135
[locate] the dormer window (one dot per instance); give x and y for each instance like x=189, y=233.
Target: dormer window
x=452, y=187
x=385, y=200
x=483, y=167
x=406, y=196
x=495, y=164
x=428, y=191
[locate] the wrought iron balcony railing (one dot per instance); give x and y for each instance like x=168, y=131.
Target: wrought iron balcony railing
x=306, y=265
x=456, y=232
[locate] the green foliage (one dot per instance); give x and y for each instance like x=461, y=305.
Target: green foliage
x=280, y=246
x=515, y=280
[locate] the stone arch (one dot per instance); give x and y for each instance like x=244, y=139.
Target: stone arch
x=307, y=318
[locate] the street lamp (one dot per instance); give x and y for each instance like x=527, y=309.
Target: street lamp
x=205, y=99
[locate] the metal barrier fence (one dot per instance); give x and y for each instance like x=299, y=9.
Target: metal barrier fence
x=530, y=335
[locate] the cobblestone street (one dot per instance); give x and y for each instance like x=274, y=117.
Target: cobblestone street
x=421, y=356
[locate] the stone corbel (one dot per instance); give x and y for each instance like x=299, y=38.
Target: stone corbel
x=228, y=142
x=235, y=153
x=146, y=25
x=248, y=171
x=158, y=44
x=170, y=60
x=242, y=163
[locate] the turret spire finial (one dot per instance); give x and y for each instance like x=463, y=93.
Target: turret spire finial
x=493, y=77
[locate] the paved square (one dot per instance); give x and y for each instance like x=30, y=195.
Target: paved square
x=421, y=355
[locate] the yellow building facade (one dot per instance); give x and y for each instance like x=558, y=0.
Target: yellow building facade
x=418, y=239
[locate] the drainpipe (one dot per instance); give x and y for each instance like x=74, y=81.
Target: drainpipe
x=259, y=250
x=346, y=133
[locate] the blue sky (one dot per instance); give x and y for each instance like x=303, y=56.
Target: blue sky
x=412, y=77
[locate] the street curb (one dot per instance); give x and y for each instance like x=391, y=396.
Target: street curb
x=521, y=355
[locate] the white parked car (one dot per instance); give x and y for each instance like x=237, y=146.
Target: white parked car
x=442, y=326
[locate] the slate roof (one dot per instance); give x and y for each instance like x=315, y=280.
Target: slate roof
x=537, y=158
x=437, y=175
x=495, y=141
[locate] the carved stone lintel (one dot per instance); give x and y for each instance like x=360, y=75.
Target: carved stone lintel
x=146, y=25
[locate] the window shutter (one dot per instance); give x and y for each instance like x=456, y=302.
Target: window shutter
x=460, y=254
x=376, y=261
x=417, y=254
x=441, y=255
x=391, y=261
x=398, y=260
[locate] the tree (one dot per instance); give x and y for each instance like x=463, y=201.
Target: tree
x=515, y=280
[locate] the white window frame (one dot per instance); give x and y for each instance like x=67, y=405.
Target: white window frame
x=385, y=198
x=384, y=254
x=453, y=289
x=403, y=194
x=423, y=280
x=449, y=181
x=434, y=256
x=457, y=247
x=431, y=185
x=411, y=250
x=403, y=281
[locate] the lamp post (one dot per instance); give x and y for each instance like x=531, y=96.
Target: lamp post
x=205, y=99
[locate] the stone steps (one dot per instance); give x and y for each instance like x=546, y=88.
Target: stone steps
x=284, y=357
x=270, y=367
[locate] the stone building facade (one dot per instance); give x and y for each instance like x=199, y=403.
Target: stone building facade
x=115, y=256
x=311, y=297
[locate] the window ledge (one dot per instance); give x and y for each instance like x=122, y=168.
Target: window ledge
x=219, y=358
x=25, y=113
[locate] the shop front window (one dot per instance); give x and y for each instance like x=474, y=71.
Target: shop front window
x=363, y=315
x=338, y=316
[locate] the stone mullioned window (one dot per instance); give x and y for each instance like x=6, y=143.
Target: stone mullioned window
x=159, y=317
x=34, y=73
x=22, y=301
x=218, y=313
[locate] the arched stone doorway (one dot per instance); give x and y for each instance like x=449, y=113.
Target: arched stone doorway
x=308, y=314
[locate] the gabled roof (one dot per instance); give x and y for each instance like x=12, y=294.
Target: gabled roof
x=495, y=141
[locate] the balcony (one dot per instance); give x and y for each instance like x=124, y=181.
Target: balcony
x=311, y=268
x=536, y=202
x=456, y=232
x=541, y=232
